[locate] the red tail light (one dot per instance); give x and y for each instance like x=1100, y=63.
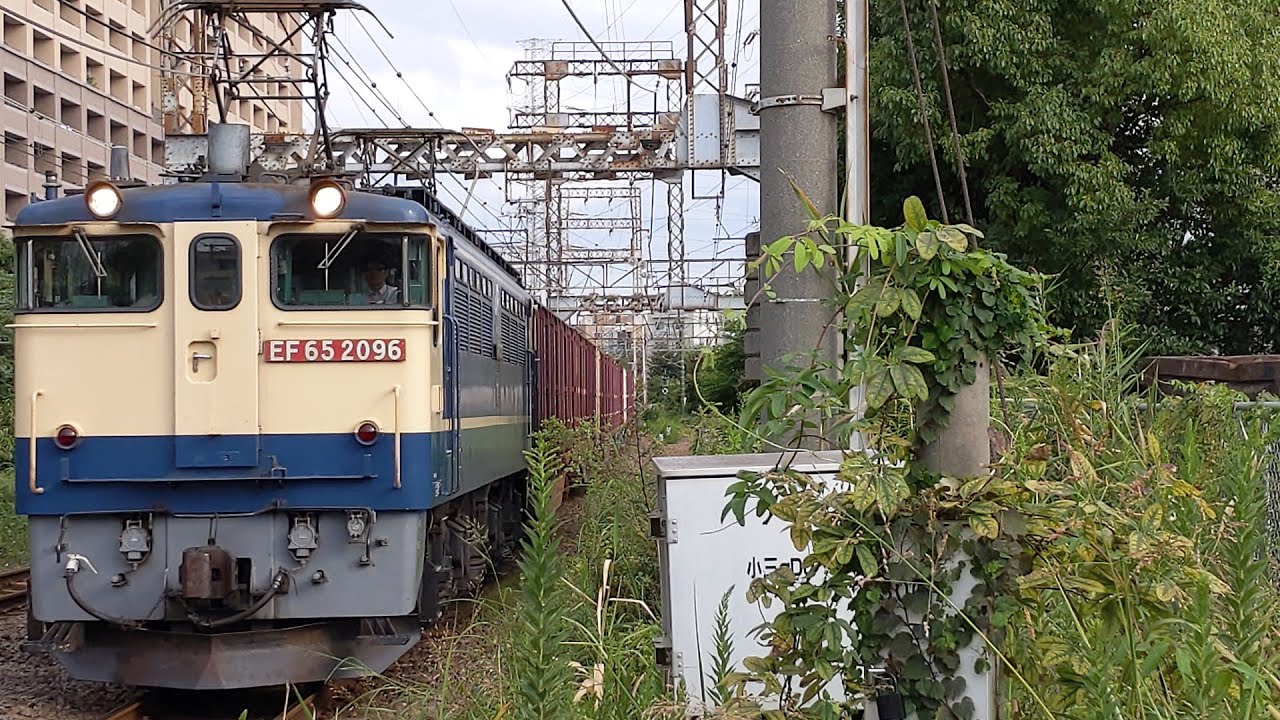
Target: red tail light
x=367, y=433
x=66, y=437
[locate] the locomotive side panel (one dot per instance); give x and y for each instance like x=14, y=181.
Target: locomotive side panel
x=493, y=418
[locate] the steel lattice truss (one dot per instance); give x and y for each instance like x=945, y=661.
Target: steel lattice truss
x=418, y=154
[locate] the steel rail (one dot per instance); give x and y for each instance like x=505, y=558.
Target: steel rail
x=13, y=585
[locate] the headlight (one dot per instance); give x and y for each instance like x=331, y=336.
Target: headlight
x=104, y=200
x=327, y=198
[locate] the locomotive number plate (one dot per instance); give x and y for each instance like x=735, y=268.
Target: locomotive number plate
x=295, y=351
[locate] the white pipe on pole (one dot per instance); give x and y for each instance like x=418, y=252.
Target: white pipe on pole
x=857, y=148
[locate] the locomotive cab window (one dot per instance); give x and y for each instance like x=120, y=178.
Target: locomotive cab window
x=364, y=270
x=81, y=273
x=215, y=272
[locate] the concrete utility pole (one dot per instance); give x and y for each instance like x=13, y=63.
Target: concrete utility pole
x=797, y=63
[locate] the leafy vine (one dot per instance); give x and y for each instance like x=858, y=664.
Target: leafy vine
x=903, y=568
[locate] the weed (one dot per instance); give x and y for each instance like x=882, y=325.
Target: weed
x=13, y=527
x=540, y=673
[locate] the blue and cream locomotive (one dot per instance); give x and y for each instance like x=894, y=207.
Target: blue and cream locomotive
x=263, y=430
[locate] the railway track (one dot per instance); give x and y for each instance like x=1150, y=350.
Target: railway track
x=221, y=706
x=13, y=587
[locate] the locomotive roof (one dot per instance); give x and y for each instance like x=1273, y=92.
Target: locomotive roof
x=212, y=201
x=186, y=202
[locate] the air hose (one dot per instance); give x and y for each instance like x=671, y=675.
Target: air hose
x=69, y=574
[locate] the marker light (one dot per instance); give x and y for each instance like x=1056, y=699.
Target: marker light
x=367, y=433
x=327, y=198
x=66, y=437
x=104, y=200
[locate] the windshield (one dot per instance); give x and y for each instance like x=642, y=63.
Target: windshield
x=89, y=274
x=373, y=270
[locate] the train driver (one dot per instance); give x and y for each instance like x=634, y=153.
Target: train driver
x=378, y=292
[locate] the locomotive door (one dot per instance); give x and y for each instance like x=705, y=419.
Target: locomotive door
x=452, y=389
x=452, y=386
x=215, y=345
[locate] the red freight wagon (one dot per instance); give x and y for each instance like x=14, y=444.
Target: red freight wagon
x=575, y=381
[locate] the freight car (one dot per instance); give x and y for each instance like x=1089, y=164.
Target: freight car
x=264, y=431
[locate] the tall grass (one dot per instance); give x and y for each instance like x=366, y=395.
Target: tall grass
x=13, y=527
x=540, y=673
x=1156, y=600
x=573, y=637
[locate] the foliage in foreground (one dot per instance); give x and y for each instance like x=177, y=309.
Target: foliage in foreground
x=1152, y=595
x=1103, y=566
x=13, y=527
x=1119, y=550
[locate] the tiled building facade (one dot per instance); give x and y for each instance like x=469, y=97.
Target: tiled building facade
x=80, y=76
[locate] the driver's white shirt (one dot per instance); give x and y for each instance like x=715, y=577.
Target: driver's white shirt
x=386, y=294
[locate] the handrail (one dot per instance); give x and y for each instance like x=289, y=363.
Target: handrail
x=31, y=477
x=74, y=325
x=396, y=419
x=357, y=323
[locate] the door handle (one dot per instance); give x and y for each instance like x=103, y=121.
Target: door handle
x=195, y=360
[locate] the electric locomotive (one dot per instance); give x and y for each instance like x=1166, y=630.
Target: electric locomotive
x=263, y=430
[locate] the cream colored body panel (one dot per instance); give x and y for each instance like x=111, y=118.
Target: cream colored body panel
x=103, y=373
x=335, y=397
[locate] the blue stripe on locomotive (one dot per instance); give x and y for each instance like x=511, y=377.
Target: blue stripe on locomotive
x=136, y=474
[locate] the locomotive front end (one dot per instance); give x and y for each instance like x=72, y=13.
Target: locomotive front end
x=230, y=427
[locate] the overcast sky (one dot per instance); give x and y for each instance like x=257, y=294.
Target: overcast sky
x=454, y=56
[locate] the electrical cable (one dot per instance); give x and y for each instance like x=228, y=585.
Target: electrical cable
x=423, y=103
x=663, y=20
x=573, y=14
x=277, y=584
x=467, y=30
x=108, y=53
x=924, y=113
x=951, y=114
x=368, y=83
x=84, y=605
x=135, y=38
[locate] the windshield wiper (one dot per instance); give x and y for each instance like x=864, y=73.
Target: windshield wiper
x=95, y=262
x=333, y=254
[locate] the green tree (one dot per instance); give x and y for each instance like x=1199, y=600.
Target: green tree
x=1127, y=146
x=719, y=375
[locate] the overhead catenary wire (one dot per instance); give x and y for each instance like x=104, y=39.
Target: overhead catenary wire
x=136, y=38
x=617, y=68
x=467, y=30
x=400, y=75
x=367, y=80
x=107, y=53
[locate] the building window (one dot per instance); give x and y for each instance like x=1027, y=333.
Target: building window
x=15, y=35
x=215, y=272
x=16, y=151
